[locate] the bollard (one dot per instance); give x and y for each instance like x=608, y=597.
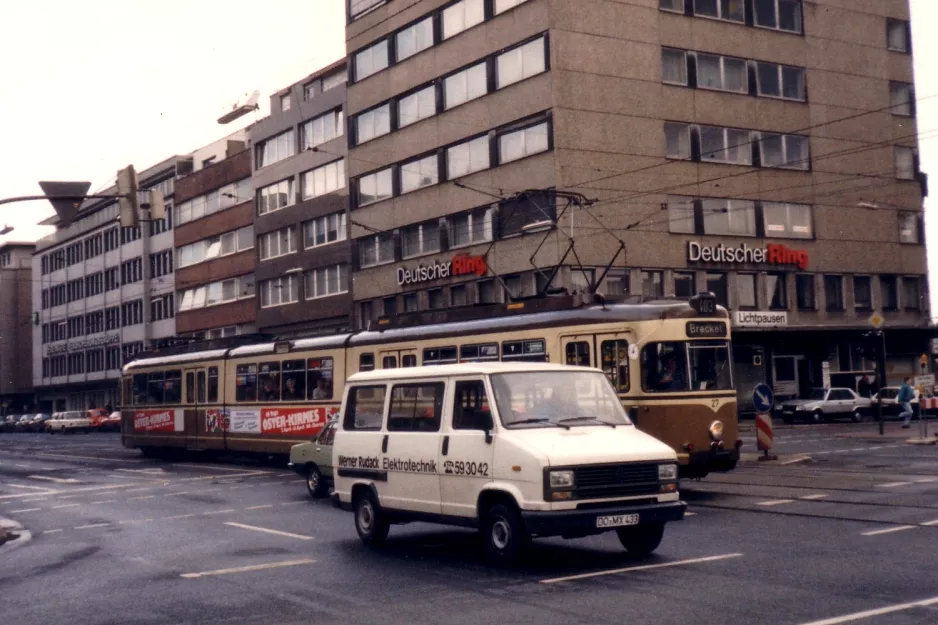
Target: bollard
x=764, y=436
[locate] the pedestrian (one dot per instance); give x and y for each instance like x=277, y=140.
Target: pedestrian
x=863, y=387
x=904, y=399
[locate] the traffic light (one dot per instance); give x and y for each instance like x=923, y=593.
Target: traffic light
x=129, y=202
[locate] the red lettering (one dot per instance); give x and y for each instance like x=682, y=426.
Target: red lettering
x=782, y=255
x=463, y=265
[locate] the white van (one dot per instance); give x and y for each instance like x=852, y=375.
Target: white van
x=514, y=449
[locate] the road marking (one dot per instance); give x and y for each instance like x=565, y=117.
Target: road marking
x=182, y=492
x=67, y=505
x=774, y=502
x=927, y=480
x=893, y=484
x=139, y=498
x=220, y=477
x=130, y=521
x=644, y=567
x=60, y=492
x=138, y=490
x=180, y=516
x=21, y=465
x=270, y=505
x=57, y=480
x=931, y=523
x=690, y=514
x=90, y=458
x=813, y=497
x=269, y=531
x=890, y=530
x=70, y=496
x=245, y=569
x=103, y=501
x=25, y=510
x=88, y=527
x=48, y=491
x=861, y=449
x=293, y=503
x=51, y=531
x=218, y=512
x=856, y=616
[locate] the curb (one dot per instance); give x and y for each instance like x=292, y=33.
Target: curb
x=12, y=534
x=783, y=460
x=922, y=441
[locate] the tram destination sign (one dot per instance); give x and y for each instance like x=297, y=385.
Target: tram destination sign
x=706, y=329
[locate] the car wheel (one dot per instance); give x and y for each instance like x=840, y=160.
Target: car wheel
x=314, y=483
x=641, y=540
x=506, y=537
x=817, y=416
x=857, y=416
x=370, y=523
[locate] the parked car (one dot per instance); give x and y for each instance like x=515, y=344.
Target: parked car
x=9, y=422
x=111, y=423
x=313, y=460
x=97, y=417
x=68, y=422
x=891, y=408
x=38, y=422
x=826, y=404
x=22, y=424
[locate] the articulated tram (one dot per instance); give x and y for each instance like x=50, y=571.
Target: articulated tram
x=669, y=361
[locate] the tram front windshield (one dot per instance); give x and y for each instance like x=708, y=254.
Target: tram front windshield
x=676, y=366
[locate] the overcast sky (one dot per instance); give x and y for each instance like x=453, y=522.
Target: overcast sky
x=89, y=87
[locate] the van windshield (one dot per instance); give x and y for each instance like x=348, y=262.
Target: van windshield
x=556, y=398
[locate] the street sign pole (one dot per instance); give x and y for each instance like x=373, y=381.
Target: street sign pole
x=881, y=366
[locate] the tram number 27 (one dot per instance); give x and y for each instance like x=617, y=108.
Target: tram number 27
x=458, y=467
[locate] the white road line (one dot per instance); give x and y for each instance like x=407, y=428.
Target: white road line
x=57, y=480
x=138, y=490
x=774, y=502
x=25, y=510
x=140, y=498
x=47, y=455
x=931, y=523
x=645, y=567
x=60, y=492
x=270, y=505
x=179, y=516
x=861, y=449
x=813, y=497
x=245, y=569
x=927, y=480
x=51, y=531
x=88, y=527
x=893, y=484
x=218, y=512
x=856, y=616
x=47, y=490
x=182, y=492
x=890, y=530
x=685, y=514
x=103, y=501
x=70, y=496
x=67, y=505
x=131, y=521
x=269, y=531
x=215, y=467
x=22, y=465
x=292, y=503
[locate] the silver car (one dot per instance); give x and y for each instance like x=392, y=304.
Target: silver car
x=825, y=404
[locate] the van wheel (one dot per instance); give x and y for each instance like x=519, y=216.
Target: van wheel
x=370, y=523
x=314, y=482
x=642, y=540
x=506, y=537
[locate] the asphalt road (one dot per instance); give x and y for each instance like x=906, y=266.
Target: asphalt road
x=115, y=538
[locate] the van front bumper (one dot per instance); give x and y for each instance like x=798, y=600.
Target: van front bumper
x=583, y=522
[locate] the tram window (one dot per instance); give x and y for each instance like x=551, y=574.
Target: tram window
x=172, y=387
x=664, y=367
x=471, y=410
x=439, y=356
x=268, y=381
x=190, y=387
x=155, y=387
x=615, y=363
x=710, y=367
x=530, y=351
x=140, y=389
x=319, y=378
x=416, y=407
x=478, y=353
x=246, y=383
x=579, y=354
x=294, y=380
x=201, y=387
x=365, y=409
x=409, y=360
x=212, y=384
x=128, y=391
x=366, y=362
x=389, y=362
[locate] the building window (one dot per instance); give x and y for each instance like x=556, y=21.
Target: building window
x=486, y=292
x=681, y=215
x=411, y=302
x=335, y=79
x=503, y=5
x=358, y=8
x=787, y=151
x=909, y=228
x=373, y=123
x=470, y=228
x=468, y=157
x=897, y=35
x=162, y=307
x=161, y=264
x=322, y=129
x=617, y=282
x=462, y=16
x=652, y=284
x=778, y=14
x=376, y=250
x=420, y=173
x=376, y=186
x=458, y=295
x=671, y=5
x=788, y=221
x=323, y=180
x=685, y=284
x=889, y=292
x=465, y=85
x=677, y=140
x=725, y=145
x=132, y=271
x=780, y=81
x=371, y=60
x=804, y=291
x=215, y=293
x=514, y=216
x=326, y=281
x=674, y=66
x=746, y=291
x=389, y=305
x=911, y=299
x=834, y=293
x=862, y=293
x=777, y=289
x=112, y=318
x=420, y=239
x=275, y=149
x=436, y=299
x=416, y=106
x=215, y=247
x=132, y=313
x=905, y=163
x=414, y=39
x=716, y=284
x=218, y=200
x=902, y=98
x=525, y=142
x=324, y=230
x=286, y=102
x=729, y=217
x=278, y=243
x=729, y=10
x=366, y=314
x=309, y=90
x=279, y=291
x=522, y=62
x=722, y=73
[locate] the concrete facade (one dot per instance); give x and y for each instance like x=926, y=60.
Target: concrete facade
x=16, y=323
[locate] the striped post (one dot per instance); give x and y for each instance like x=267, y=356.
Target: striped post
x=764, y=437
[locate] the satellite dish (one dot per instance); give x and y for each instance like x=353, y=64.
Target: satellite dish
x=242, y=107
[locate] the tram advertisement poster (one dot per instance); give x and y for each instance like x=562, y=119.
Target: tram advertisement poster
x=306, y=421
x=244, y=421
x=165, y=420
x=217, y=420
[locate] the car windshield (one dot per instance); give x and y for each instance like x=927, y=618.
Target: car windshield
x=817, y=393
x=547, y=398
x=676, y=366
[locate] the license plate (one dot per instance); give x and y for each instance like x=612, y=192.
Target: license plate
x=617, y=520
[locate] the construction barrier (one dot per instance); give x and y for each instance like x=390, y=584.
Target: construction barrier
x=764, y=436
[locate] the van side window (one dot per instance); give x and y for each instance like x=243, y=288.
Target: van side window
x=366, y=362
x=212, y=384
x=578, y=354
x=416, y=407
x=365, y=408
x=471, y=410
x=527, y=351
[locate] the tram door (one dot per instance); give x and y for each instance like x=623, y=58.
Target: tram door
x=397, y=358
x=194, y=408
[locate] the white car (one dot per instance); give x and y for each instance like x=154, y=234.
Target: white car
x=826, y=404
x=72, y=421
x=891, y=407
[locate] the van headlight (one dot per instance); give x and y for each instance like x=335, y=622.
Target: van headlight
x=716, y=430
x=667, y=472
x=561, y=479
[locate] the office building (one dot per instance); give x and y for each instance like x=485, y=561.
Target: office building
x=16, y=323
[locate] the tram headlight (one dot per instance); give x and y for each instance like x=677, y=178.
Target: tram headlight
x=716, y=430
x=667, y=472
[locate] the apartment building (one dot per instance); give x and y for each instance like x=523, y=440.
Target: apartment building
x=763, y=150
x=299, y=174
x=16, y=323
x=214, y=241
x=103, y=293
